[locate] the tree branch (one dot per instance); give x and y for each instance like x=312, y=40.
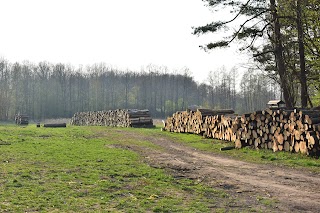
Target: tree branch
x=263, y=53
x=242, y=25
x=239, y=13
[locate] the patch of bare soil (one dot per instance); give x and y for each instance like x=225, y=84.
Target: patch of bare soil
x=266, y=187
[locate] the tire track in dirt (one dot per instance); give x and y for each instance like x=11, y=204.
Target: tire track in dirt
x=295, y=190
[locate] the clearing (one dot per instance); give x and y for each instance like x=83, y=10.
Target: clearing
x=104, y=169
x=283, y=189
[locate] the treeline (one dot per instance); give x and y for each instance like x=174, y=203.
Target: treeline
x=48, y=90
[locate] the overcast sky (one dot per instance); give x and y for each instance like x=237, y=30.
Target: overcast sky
x=128, y=34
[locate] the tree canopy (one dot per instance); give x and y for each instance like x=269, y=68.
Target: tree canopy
x=282, y=35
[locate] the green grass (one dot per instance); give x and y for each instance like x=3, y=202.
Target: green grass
x=89, y=169
x=78, y=169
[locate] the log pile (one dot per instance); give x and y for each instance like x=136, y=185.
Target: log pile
x=296, y=130
x=206, y=122
x=21, y=119
x=114, y=118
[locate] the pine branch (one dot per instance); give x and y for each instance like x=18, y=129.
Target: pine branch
x=314, y=46
x=263, y=53
x=215, y=26
x=239, y=13
x=242, y=25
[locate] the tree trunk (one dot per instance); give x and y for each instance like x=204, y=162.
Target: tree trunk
x=303, y=74
x=279, y=57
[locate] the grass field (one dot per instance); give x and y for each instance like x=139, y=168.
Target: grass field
x=78, y=169
x=84, y=169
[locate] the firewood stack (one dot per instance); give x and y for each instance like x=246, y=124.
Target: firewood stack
x=222, y=127
x=21, y=119
x=114, y=118
x=296, y=130
x=281, y=130
x=139, y=118
x=200, y=121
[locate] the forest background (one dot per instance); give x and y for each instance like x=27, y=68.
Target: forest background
x=283, y=38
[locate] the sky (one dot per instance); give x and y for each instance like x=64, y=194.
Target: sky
x=125, y=34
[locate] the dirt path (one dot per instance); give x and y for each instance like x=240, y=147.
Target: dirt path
x=290, y=190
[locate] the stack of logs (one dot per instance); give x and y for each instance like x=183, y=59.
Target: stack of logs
x=115, y=118
x=21, y=119
x=296, y=130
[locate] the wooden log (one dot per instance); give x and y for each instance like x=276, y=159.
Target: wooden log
x=227, y=148
x=316, y=127
x=55, y=125
x=239, y=143
x=297, y=134
x=296, y=146
x=303, y=147
x=257, y=143
x=215, y=112
x=286, y=146
x=267, y=111
x=311, y=120
x=254, y=134
x=280, y=138
x=275, y=147
x=270, y=144
x=312, y=113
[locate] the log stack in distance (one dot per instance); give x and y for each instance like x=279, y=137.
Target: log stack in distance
x=114, y=118
x=21, y=119
x=295, y=130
